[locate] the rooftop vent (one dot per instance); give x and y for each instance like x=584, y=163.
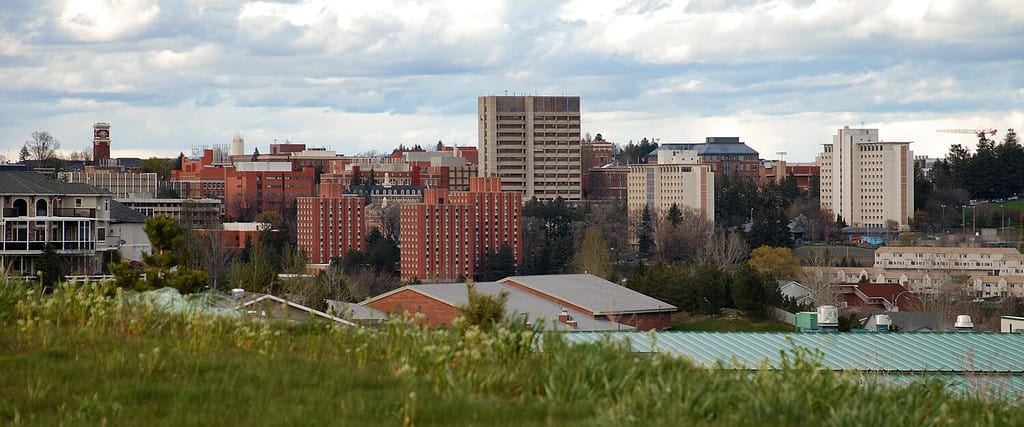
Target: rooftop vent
x=963, y=323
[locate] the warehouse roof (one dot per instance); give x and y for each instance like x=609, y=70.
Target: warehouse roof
x=876, y=352
x=591, y=293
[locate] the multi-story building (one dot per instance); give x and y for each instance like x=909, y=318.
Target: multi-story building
x=122, y=185
x=202, y=177
x=37, y=210
x=866, y=181
x=328, y=227
x=677, y=177
x=254, y=187
x=608, y=182
x=532, y=143
x=725, y=155
x=445, y=237
x=191, y=213
x=774, y=171
x=961, y=261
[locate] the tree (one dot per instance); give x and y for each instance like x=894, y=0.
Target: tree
x=674, y=214
x=779, y=262
x=161, y=167
x=749, y=293
x=645, y=234
x=164, y=236
x=593, y=255
x=483, y=310
x=727, y=249
x=497, y=264
x=41, y=146
x=50, y=269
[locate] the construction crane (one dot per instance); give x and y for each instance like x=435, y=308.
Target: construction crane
x=981, y=133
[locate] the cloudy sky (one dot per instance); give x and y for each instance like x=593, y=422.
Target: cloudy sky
x=362, y=75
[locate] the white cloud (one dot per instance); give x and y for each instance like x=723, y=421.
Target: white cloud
x=107, y=20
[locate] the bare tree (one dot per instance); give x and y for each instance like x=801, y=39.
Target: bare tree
x=41, y=146
x=726, y=249
x=684, y=241
x=389, y=221
x=81, y=155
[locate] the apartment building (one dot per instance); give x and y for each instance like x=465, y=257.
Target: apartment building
x=329, y=227
x=254, y=187
x=37, y=210
x=532, y=143
x=866, y=181
x=677, y=177
x=446, y=236
x=774, y=171
x=961, y=261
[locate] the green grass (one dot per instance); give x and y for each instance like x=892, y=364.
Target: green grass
x=85, y=356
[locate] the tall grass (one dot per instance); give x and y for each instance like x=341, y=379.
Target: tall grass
x=87, y=355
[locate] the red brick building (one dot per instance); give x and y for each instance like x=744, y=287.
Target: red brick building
x=564, y=302
x=608, y=182
x=726, y=155
x=777, y=170
x=254, y=187
x=201, y=178
x=330, y=226
x=445, y=237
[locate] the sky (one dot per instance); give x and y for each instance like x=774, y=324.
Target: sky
x=355, y=76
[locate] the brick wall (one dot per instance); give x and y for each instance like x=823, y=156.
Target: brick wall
x=437, y=313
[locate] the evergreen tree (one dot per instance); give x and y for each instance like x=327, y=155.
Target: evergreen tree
x=50, y=268
x=645, y=234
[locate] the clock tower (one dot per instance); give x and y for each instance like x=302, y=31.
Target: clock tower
x=100, y=143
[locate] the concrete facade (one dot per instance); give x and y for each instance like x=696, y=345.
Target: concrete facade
x=532, y=143
x=867, y=181
x=688, y=185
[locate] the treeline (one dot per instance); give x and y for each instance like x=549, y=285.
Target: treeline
x=992, y=171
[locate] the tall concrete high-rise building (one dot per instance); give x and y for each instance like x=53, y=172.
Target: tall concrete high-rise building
x=867, y=181
x=532, y=143
x=676, y=177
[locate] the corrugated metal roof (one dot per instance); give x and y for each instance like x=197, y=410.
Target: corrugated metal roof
x=591, y=293
x=874, y=352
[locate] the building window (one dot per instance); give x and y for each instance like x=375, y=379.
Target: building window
x=78, y=203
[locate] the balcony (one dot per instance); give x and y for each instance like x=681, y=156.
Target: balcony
x=75, y=212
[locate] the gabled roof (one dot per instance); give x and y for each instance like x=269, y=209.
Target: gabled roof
x=254, y=298
x=121, y=213
x=536, y=309
x=944, y=250
x=591, y=293
x=33, y=183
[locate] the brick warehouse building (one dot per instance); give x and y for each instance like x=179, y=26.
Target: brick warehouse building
x=445, y=237
x=580, y=302
x=330, y=226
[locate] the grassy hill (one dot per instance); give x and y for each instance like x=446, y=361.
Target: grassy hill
x=87, y=356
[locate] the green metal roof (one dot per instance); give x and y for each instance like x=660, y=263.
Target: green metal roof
x=875, y=352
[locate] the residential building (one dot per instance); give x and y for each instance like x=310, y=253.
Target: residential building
x=575, y=302
x=37, y=210
x=960, y=261
x=921, y=282
x=532, y=143
x=255, y=187
x=726, y=155
x=328, y=227
x=676, y=177
x=877, y=296
x=127, y=231
x=866, y=181
x=608, y=182
x=983, y=286
x=446, y=236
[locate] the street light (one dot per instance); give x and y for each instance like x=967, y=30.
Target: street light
x=896, y=299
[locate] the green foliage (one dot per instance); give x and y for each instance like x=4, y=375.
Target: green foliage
x=645, y=234
x=497, y=265
x=84, y=356
x=187, y=281
x=674, y=215
x=750, y=292
x=50, y=269
x=548, y=233
x=257, y=272
x=993, y=170
x=483, y=310
x=161, y=167
x=127, y=277
x=593, y=255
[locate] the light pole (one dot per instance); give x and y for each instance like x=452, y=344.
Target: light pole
x=942, y=220
x=896, y=299
x=1002, y=221
x=963, y=220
